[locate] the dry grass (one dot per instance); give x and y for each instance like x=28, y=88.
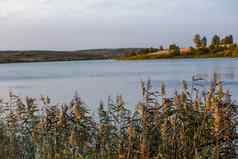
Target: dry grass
x=189, y=125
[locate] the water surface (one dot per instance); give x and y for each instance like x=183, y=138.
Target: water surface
x=96, y=80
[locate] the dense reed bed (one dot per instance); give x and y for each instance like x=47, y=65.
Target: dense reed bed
x=192, y=124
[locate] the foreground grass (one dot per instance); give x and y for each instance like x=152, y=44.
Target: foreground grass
x=189, y=125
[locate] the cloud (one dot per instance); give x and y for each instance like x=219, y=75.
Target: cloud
x=44, y=1
x=107, y=8
x=66, y=24
x=10, y=8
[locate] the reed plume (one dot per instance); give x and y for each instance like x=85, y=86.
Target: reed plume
x=184, y=126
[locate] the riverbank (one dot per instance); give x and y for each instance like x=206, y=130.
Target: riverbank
x=48, y=56
x=118, y=54
x=222, y=52
x=218, y=47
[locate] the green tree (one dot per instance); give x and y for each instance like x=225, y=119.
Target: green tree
x=161, y=48
x=204, y=42
x=231, y=39
x=174, y=50
x=197, y=41
x=216, y=41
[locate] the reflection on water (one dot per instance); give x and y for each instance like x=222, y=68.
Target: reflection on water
x=96, y=80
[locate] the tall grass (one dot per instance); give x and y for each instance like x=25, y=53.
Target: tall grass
x=189, y=125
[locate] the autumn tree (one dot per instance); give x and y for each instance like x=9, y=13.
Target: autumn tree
x=227, y=40
x=197, y=41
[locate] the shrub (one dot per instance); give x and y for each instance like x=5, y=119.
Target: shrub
x=235, y=52
x=174, y=50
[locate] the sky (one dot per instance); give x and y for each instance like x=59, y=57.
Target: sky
x=90, y=24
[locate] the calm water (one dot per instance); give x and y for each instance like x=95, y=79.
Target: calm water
x=96, y=80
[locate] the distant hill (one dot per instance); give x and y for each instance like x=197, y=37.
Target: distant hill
x=43, y=56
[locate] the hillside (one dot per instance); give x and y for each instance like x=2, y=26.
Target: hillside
x=43, y=56
x=212, y=51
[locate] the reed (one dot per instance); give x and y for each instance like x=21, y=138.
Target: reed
x=188, y=125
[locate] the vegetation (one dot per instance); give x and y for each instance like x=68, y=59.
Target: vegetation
x=216, y=41
x=218, y=47
x=189, y=125
x=174, y=50
x=43, y=56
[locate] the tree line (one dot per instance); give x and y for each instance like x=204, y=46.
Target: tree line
x=217, y=47
x=201, y=42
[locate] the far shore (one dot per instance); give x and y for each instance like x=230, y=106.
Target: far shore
x=167, y=55
x=100, y=54
x=53, y=56
x=219, y=47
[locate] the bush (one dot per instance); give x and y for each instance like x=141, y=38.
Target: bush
x=174, y=50
x=235, y=53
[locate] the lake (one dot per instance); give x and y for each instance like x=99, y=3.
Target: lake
x=96, y=80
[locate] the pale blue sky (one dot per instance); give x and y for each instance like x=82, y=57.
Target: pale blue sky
x=83, y=24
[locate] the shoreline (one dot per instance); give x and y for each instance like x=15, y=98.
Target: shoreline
x=69, y=60
x=53, y=56
x=176, y=58
x=7, y=57
x=171, y=58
